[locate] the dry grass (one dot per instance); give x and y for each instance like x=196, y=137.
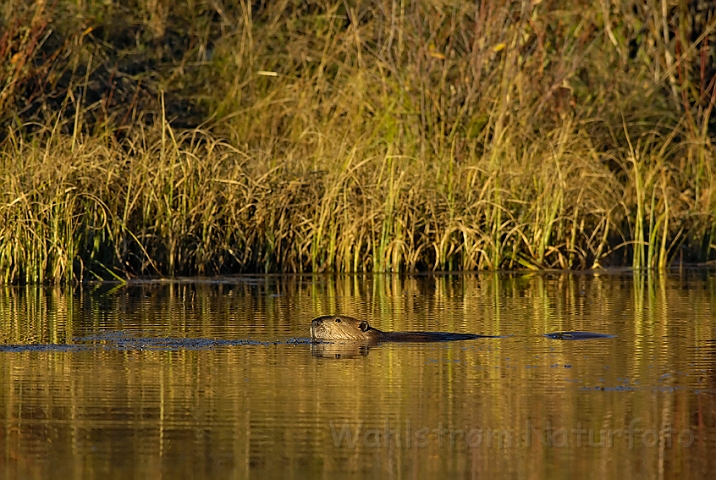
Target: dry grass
x=378, y=136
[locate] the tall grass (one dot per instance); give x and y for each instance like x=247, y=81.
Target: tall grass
x=364, y=136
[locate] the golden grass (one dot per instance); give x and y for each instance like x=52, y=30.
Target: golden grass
x=380, y=136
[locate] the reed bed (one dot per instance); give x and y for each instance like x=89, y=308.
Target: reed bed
x=379, y=136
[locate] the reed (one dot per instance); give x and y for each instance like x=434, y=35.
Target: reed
x=367, y=136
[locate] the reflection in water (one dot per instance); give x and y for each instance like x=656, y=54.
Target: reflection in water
x=120, y=395
x=339, y=350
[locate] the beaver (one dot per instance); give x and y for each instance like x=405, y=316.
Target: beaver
x=346, y=329
x=349, y=329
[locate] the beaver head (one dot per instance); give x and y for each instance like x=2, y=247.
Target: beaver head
x=341, y=327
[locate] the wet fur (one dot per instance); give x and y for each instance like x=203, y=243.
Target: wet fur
x=343, y=328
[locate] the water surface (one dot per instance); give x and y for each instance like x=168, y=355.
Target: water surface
x=217, y=378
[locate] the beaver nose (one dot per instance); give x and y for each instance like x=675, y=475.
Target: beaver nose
x=316, y=323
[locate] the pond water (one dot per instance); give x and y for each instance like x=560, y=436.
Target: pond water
x=217, y=378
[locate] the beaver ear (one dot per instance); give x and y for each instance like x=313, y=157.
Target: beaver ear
x=364, y=326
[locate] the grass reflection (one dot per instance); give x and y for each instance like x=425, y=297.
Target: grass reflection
x=523, y=405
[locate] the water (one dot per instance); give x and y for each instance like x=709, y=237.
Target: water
x=217, y=379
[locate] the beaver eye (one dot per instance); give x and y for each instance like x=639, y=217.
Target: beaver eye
x=338, y=320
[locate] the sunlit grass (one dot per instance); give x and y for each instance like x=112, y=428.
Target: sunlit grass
x=376, y=137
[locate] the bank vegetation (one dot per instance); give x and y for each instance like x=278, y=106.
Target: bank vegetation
x=150, y=137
